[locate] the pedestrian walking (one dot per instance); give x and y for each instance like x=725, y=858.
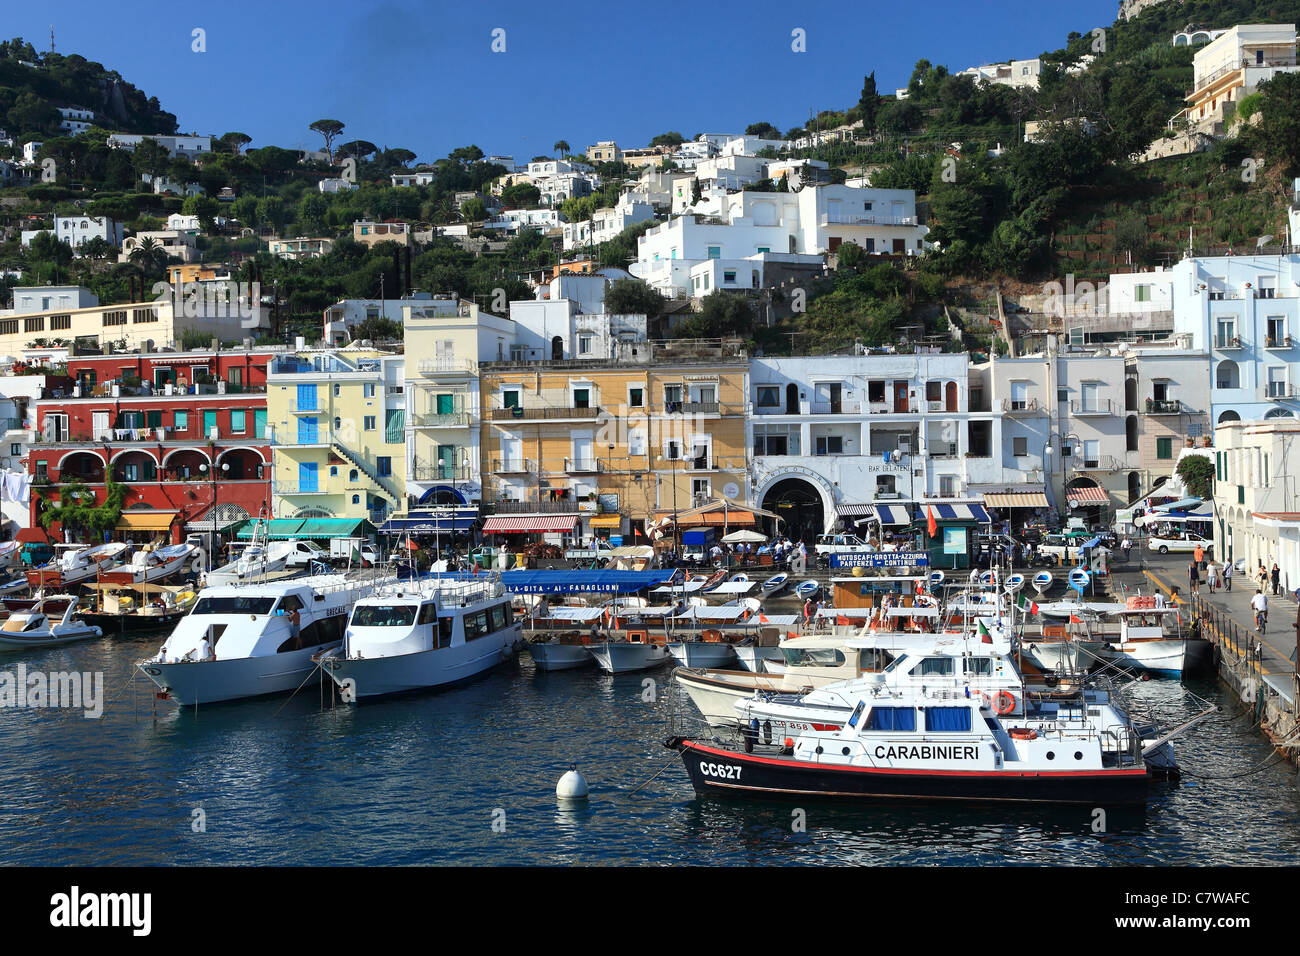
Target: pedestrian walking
x=1194, y=577
x=1126, y=546
x=1262, y=575
x=1276, y=576
x=1212, y=575
x=1199, y=556
x=1227, y=576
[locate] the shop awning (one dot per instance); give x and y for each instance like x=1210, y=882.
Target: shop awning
x=321, y=528
x=719, y=520
x=580, y=582
x=893, y=514
x=974, y=513
x=1091, y=495
x=145, y=520
x=1016, y=499
x=855, y=511
x=530, y=524
x=607, y=521
x=439, y=521
x=277, y=529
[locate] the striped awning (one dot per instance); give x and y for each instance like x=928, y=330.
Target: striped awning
x=1090, y=495
x=1016, y=499
x=855, y=511
x=894, y=514
x=607, y=521
x=975, y=513
x=530, y=524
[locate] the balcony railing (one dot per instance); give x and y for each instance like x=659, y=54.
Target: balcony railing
x=1278, y=342
x=1164, y=406
x=836, y=408
x=1101, y=463
x=427, y=366
x=518, y=413
x=943, y=449
x=432, y=471
x=533, y=506
x=1282, y=391
x=891, y=408
x=1024, y=406
x=513, y=466
x=692, y=408
x=580, y=466
x=440, y=419
x=295, y=488
x=1098, y=406
x=1226, y=343
x=307, y=408
x=1245, y=63
x=865, y=219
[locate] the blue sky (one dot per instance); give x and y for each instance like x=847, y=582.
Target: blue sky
x=423, y=75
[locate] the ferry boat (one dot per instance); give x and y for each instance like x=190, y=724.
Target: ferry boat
x=77, y=563
x=51, y=620
x=423, y=634
x=935, y=744
x=152, y=565
x=261, y=638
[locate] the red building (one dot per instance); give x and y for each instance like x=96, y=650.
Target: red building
x=164, y=424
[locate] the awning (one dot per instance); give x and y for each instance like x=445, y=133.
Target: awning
x=1016, y=499
x=893, y=514
x=855, y=511
x=1090, y=495
x=335, y=528
x=607, y=521
x=573, y=613
x=145, y=520
x=718, y=519
x=440, y=521
x=582, y=582
x=277, y=529
x=33, y=536
x=975, y=513
x=525, y=524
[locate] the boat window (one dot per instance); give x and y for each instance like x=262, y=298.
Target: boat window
x=979, y=665
x=947, y=719
x=234, y=605
x=812, y=657
x=327, y=630
x=290, y=602
x=445, y=625
x=383, y=615
x=895, y=664
x=935, y=665
x=872, y=659
x=34, y=623
x=891, y=718
x=477, y=625
x=500, y=616
x=427, y=613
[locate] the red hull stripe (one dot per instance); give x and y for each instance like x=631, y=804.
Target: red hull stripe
x=771, y=761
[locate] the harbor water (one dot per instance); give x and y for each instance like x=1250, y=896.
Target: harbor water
x=467, y=776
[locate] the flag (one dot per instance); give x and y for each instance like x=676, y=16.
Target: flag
x=1026, y=605
x=763, y=618
x=920, y=587
x=985, y=637
x=930, y=524
x=1075, y=619
x=842, y=620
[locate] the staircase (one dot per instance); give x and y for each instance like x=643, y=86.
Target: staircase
x=383, y=485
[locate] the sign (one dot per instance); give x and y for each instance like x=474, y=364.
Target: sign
x=882, y=559
x=608, y=502
x=954, y=540
x=616, y=541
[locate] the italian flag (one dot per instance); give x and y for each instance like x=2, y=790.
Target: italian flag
x=1026, y=605
x=985, y=636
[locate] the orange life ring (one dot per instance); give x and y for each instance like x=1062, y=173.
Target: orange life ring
x=1022, y=733
x=1004, y=703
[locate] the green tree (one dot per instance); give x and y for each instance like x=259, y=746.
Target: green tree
x=312, y=210
x=235, y=141
x=1197, y=473
x=76, y=508
x=521, y=195
x=633, y=297
x=868, y=103
x=272, y=211
x=1279, y=130
x=763, y=131
x=671, y=138
x=245, y=210
x=205, y=207
x=474, y=210
x=561, y=148
x=329, y=129
x=721, y=314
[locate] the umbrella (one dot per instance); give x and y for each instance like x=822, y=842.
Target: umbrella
x=744, y=536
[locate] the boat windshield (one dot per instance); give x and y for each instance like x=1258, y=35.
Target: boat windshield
x=812, y=657
x=383, y=615
x=894, y=664
x=234, y=605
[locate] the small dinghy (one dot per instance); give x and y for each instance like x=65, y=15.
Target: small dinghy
x=806, y=589
x=1014, y=583
x=52, y=620
x=1079, y=579
x=1042, y=581
x=936, y=579
x=773, y=585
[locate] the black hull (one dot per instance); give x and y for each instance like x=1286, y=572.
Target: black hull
x=754, y=776
x=131, y=623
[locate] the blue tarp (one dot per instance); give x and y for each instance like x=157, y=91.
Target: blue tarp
x=577, y=582
x=1092, y=542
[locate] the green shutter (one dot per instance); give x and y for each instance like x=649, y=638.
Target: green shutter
x=153, y=419
x=395, y=426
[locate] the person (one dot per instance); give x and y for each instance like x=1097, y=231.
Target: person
x=1212, y=575
x=1262, y=574
x=1194, y=577
x=1259, y=604
x=1199, y=555
x=1276, y=576
x=1126, y=546
x=807, y=611
x=205, y=649
x=1227, y=575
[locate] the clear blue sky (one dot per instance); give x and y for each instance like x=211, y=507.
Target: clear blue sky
x=423, y=75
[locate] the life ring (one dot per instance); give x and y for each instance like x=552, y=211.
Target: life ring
x=1004, y=703
x=1022, y=733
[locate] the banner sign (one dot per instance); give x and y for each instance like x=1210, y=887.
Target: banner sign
x=881, y=559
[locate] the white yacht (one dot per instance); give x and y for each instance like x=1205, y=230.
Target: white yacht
x=51, y=620
x=152, y=565
x=422, y=634
x=77, y=563
x=260, y=638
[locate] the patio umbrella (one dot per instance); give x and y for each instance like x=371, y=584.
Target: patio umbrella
x=744, y=536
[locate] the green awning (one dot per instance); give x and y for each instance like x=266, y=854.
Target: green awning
x=278, y=529
x=335, y=528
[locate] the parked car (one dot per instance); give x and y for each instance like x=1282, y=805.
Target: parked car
x=828, y=544
x=1184, y=543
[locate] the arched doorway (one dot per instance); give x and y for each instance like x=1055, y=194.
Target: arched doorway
x=557, y=349
x=1130, y=394
x=792, y=399
x=1131, y=433
x=950, y=397
x=1134, y=487
x=1086, y=499
x=800, y=506
x=1229, y=416
x=1227, y=375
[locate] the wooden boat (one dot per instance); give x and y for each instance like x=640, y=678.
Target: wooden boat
x=775, y=584
x=76, y=564
x=808, y=588
x=1014, y=582
x=1042, y=581
x=130, y=608
x=152, y=565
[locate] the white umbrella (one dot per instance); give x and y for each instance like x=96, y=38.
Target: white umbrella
x=744, y=536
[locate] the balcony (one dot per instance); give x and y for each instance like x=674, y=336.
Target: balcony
x=582, y=466
x=440, y=420
x=1102, y=463
x=1100, y=406
x=891, y=408
x=865, y=219
x=1281, y=391
x=306, y=408
x=943, y=449
x=432, y=471
x=692, y=408
x=836, y=408
x=513, y=466
x=1227, y=344
x=435, y=365
x=294, y=488
x=1164, y=406
x=1245, y=63
x=518, y=413
x=1026, y=406
x=1278, y=342
x=533, y=506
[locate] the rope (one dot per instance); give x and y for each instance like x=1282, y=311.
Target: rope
x=296, y=689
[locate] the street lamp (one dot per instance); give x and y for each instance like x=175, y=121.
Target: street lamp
x=437, y=528
x=212, y=516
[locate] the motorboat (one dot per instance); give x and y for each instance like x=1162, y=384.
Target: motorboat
x=152, y=565
x=256, y=561
x=254, y=639
x=709, y=648
x=11, y=555
x=51, y=620
x=775, y=584
x=936, y=579
x=76, y=564
x=1079, y=579
x=1064, y=610
x=1042, y=581
x=1144, y=644
x=421, y=635
x=129, y=608
x=621, y=652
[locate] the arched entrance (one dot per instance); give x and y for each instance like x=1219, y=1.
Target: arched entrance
x=1229, y=416
x=800, y=506
x=1086, y=499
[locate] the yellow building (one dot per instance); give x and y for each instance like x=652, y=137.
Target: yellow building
x=612, y=442
x=338, y=434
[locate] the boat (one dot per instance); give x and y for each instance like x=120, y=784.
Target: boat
x=11, y=555
x=558, y=636
x=424, y=634
x=259, y=638
x=711, y=648
x=1144, y=645
x=1014, y=582
x=77, y=563
x=936, y=579
x=775, y=584
x=1042, y=581
x=50, y=621
x=256, y=561
x=129, y=608
x=935, y=743
x=1079, y=579
x=622, y=652
x=152, y=565
x=808, y=588
x=1064, y=610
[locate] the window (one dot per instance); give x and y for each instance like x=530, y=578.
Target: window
x=891, y=718
x=935, y=665
x=582, y=398
x=1276, y=330
x=368, y=389
x=947, y=719
x=947, y=486
x=769, y=396
x=1142, y=293
x=1225, y=330
x=338, y=389
x=352, y=475
x=636, y=397
x=728, y=275
x=356, y=499
x=1019, y=396
x=237, y=421
x=369, y=423
x=584, y=344
x=700, y=488
x=1164, y=448
x=672, y=451
x=1091, y=454
x=15, y=449
x=830, y=445
x=672, y=398
x=715, y=252
x=1020, y=447
x=1277, y=381
x=385, y=466
x=510, y=398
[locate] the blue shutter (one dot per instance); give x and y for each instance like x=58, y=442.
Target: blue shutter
x=306, y=397
x=306, y=431
x=307, y=476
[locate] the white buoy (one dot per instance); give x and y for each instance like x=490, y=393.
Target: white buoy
x=572, y=786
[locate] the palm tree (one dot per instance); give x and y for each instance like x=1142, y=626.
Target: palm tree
x=561, y=148
x=149, y=256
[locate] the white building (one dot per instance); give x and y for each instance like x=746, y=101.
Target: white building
x=51, y=298
x=605, y=224
x=334, y=184
x=555, y=330
x=75, y=120
x=561, y=186
x=1256, y=499
x=29, y=152
x=178, y=244
x=190, y=147
x=1231, y=68
x=417, y=177
x=75, y=230
x=346, y=314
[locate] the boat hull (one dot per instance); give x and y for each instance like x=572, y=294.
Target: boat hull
x=211, y=682
x=550, y=656
x=1161, y=658
x=715, y=695
x=719, y=772
x=423, y=670
x=622, y=657
x=754, y=658
x=702, y=653
x=68, y=636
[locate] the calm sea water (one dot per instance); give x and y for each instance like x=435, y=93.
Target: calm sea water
x=423, y=779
